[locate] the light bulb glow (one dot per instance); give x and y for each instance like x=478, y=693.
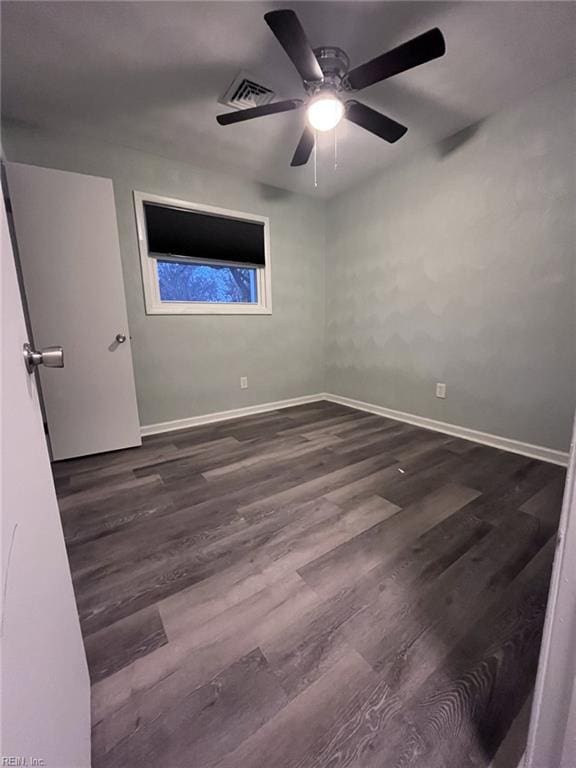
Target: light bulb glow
x=325, y=112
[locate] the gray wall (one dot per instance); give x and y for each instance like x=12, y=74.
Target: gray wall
x=190, y=365
x=458, y=266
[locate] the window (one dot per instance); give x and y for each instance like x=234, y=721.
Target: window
x=215, y=284
x=202, y=260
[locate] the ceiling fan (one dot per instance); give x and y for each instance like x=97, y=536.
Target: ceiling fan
x=327, y=80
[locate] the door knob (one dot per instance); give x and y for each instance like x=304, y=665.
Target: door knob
x=51, y=357
x=120, y=338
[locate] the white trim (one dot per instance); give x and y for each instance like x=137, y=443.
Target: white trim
x=553, y=721
x=484, y=438
x=209, y=418
x=152, y=301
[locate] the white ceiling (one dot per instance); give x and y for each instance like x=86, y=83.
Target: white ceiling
x=148, y=75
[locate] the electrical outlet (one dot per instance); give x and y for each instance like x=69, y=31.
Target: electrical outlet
x=243, y=382
x=440, y=389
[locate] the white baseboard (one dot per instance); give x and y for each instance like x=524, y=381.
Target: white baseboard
x=495, y=441
x=235, y=413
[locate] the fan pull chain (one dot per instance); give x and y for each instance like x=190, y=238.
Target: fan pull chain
x=315, y=159
x=335, y=147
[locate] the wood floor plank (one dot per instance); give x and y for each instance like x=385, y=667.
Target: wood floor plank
x=394, y=641
x=382, y=542
x=320, y=485
x=492, y=469
x=308, y=588
x=326, y=423
x=435, y=724
x=92, y=469
x=120, y=644
x=307, y=649
x=364, y=431
x=149, y=540
x=287, y=738
x=413, y=567
x=73, y=503
x=515, y=490
x=546, y=505
x=361, y=488
x=225, y=711
x=208, y=598
x=270, y=454
x=310, y=412
x=378, y=435
x=193, y=459
x=95, y=519
x=342, y=428
x=260, y=481
x=480, y=688
x=287, y=552
x=390, y=443
x=200, y=653
x=423, y=475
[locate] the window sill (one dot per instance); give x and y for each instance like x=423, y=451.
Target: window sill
x=207, y=309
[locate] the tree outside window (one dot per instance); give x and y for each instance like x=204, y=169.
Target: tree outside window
x=179, y=281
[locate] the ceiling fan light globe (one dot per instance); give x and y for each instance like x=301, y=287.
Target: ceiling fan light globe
x=325, y=112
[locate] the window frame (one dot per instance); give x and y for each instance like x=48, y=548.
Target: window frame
x=149, y=264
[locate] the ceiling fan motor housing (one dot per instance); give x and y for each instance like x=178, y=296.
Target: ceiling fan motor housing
x=334, y=63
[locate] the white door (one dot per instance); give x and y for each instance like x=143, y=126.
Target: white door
x=45, y=685
x=68, y=246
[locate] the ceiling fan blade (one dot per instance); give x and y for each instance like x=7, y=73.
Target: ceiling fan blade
x=265, y=109
x=419, y=50
x=291, y=36
x=375, y=122
x=304, y=148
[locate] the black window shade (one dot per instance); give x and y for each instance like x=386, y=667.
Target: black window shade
x=208, y=237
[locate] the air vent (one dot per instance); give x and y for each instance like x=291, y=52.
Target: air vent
x=245, y=92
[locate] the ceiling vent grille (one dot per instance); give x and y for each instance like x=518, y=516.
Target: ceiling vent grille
x=244, y=92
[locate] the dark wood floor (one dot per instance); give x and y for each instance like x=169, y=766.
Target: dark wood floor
x=307, y=588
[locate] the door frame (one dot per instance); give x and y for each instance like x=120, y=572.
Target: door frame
x=552, y=734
